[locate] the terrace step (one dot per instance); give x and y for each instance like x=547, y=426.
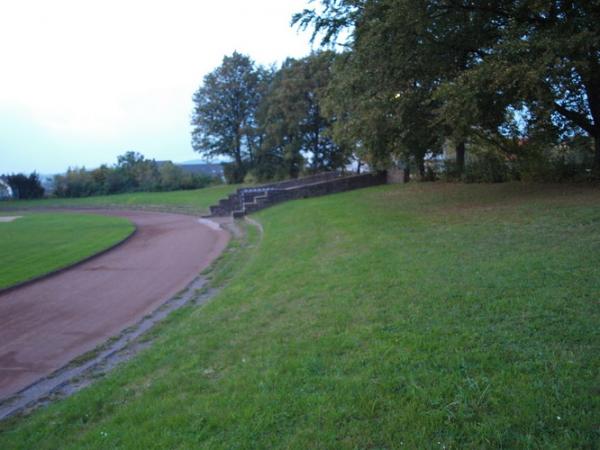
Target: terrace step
x=248, y=200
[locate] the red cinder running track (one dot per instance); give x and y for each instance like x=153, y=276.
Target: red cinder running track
x=46, y=324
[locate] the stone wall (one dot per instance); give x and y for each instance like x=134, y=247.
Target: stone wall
x=249, y=200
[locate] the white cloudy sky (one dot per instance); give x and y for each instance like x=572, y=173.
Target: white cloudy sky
x=83, y=81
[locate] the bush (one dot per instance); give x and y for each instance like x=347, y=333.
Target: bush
x=487, y=168
x=251, y=178
x=25, y=187
x=565, y=163
x=233, y=173
x=77, y=182
x=449, y=171
x=132, y=173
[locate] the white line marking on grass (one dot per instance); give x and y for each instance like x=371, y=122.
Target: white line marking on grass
x=9, y=218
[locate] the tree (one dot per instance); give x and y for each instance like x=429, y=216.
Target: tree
x=294, y=123
x=224, y=115
x=401, y=52
x=133, y=172
x=492, y=70
x=141, y=173
x=5, y=191
x=361, y=120
x=25, y=187
x=547, y=59
x=391, y=90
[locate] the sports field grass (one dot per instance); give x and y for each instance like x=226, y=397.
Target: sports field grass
x=39, y=243
x=423, y=316
x=193, y=201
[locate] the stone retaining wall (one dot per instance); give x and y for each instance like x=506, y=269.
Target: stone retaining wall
x=249, y=200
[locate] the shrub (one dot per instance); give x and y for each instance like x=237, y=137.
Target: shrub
x=233, y=173
x=25, y=187
x=132, y=173
x=487, y=168
x=562, y=163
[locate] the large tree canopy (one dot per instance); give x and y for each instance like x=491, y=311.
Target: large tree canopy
x=268, y=122
x=544, y=62
x=224, y=115
x=462, y=68
x=295, y=126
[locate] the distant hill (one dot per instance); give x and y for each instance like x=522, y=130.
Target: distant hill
x=199, y=161
x=197, y=167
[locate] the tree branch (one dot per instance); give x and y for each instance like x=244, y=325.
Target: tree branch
x=577, y=118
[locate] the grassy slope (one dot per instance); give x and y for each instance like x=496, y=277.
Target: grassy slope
x=427, y=316
x=197, y=200
x=40, y=243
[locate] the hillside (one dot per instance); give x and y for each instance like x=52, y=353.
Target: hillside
x=423, y=316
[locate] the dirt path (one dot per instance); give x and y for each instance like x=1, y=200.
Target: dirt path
x=45, y=325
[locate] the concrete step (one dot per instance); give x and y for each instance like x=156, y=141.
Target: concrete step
x=248, y=200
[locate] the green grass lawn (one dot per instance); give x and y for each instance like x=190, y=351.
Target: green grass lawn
x=193, y=201
x=39, y=243
x=422, y=316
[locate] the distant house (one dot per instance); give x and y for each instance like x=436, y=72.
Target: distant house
x=5, y=190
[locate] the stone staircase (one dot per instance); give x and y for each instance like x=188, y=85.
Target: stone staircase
x=251, y=199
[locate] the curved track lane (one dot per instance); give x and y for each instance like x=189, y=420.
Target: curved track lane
x=45, y=325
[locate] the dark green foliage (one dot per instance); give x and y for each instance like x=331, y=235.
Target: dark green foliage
x=523, y=161
x=25, y=187
x=234, y=172
x=487, y=168
x=265, y=121
x=384, y=90
x=294, y=123
x=570, y=161
x=420, y=73
x=132, y=173
x=544, y=62
x=224, y=115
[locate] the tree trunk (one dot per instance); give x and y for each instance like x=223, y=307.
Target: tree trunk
x=596, y=168
x=238, y=147
x=406, y=174
x=592, y=90
x=239, y=173
x=238, y=159
x=421, y=166
x=460, y=157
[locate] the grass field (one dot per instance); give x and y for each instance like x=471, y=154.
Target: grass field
x=39, y=243
x=194, y=201
x=423, y=316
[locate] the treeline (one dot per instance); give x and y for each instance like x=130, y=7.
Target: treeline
x=132, y=173
x=269, y=122
x=479, y=91
x=22, y=186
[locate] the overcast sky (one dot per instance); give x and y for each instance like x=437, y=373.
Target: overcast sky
x=83, y=81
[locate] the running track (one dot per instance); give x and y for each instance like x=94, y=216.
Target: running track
x=46, y=324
